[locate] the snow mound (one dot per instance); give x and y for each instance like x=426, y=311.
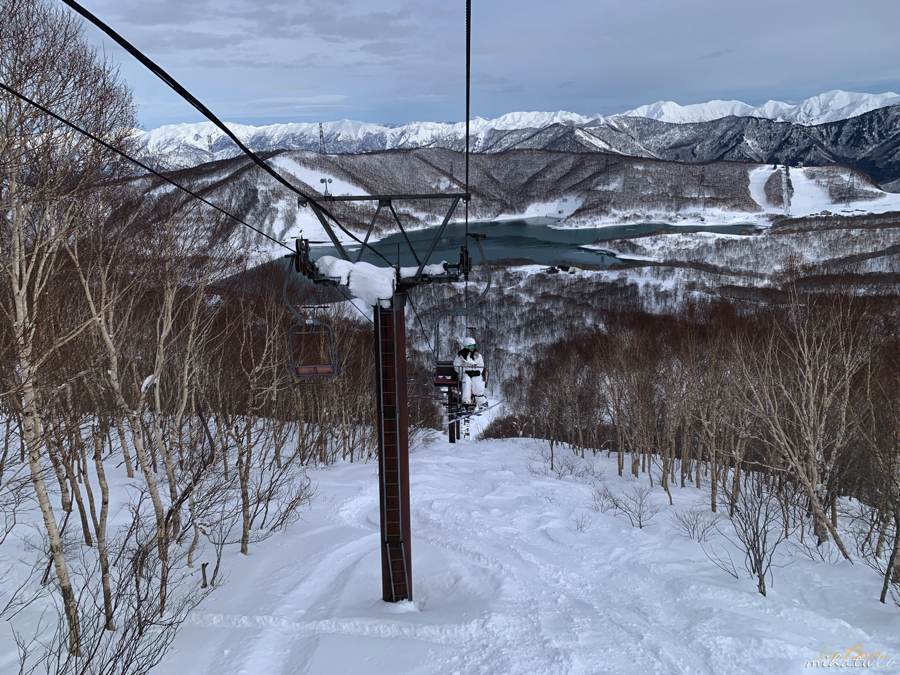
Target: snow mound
x=371, y=284
x=513, y=573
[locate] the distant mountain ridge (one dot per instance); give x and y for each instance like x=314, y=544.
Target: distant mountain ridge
x=831, y=106
x=860, y=130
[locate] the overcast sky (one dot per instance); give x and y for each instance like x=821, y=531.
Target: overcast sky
x=268, y=61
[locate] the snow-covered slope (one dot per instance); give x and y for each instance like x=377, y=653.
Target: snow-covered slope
x=669, y=111
x=515, y=574
x=834, y=106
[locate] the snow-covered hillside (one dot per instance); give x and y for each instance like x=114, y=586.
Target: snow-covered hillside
x=808, y=192
x=590, y=190
x=515, y=574
x=186, y=144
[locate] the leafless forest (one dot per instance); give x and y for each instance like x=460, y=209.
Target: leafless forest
x=783, y=403
x=135, y=340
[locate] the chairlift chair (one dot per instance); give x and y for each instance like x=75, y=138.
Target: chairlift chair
x=442, y=368
x=313, y=335
x=309, y=335
x=446, y=376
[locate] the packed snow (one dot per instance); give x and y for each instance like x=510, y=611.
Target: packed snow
x=373, y=285
x=514, y=573
x=810, y=198
x=436, y=269
x=557, y=209
x=313, y=177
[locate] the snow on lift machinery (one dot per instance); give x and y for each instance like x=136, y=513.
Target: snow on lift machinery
x=309, y=335
x=445, y=373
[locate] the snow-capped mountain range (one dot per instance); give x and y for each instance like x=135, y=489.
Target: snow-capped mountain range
x=835, y=127
x=829, y=107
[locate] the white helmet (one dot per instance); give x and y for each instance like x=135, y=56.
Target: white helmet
x=468, y=342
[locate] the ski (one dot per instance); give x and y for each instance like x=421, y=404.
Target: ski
x=474, y=413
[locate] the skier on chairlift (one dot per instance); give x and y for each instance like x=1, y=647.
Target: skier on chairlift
x=470, y=366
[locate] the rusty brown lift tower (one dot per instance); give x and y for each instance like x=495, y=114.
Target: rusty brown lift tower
x=392, y=416
x=390, y=356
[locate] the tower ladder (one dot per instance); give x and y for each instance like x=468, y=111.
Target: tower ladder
x=393, y=461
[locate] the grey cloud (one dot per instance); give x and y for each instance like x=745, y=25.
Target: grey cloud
x=169, y=13
x=181, y=40
x=424, y=98
x=481, y=77
x=321, y=102
x=325, y=23
x=390, y=56
x=309, y=62
x=385, y=48
x=384, y=25
x=334, y=21
x=716, y=54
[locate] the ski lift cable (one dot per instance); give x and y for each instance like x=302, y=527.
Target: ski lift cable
x=350, y=300
x=106, y=145
x=421, y=325
x=468, y=89
x=206, y=112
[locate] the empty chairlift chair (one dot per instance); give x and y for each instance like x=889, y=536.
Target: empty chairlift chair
x=312, y=348
x=313, y=353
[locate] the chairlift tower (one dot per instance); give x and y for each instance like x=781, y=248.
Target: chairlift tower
x=321, y=140
x=391, y=398
x=849, y=188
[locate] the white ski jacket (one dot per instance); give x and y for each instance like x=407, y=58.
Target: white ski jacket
x=470, y=362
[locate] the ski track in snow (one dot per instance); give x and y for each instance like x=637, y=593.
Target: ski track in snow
x=504, y=582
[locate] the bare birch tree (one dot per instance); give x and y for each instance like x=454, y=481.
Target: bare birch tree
x=50, y=174
x=798, y=381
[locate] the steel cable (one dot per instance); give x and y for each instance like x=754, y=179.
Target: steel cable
x=468, y=89
x=206, y=112
x=106, y=145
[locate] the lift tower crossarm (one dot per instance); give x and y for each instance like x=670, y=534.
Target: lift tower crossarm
x=386, y=200
x=331, y=235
